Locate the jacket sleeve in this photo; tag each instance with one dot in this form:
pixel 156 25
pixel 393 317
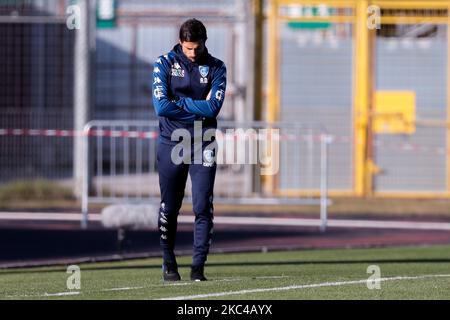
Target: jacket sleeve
pixel 209 108
pixel 164 107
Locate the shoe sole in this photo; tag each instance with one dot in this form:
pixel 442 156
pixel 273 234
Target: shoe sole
pixel 171 278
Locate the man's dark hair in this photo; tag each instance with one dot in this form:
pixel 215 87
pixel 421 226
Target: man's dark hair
pixel 193 30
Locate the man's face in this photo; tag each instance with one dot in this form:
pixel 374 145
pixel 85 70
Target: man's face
pixel 193 50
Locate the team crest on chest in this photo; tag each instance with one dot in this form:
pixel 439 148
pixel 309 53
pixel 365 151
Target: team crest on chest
pixel 204 70
pixel 208 158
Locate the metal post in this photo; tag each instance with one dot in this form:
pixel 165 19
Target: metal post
pixel 81 92
pixel 361 69
pixel 257 66
pixel 323 182
pixel 85 178
pixel 310 162
pixel 254 48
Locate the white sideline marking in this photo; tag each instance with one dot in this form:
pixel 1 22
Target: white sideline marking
pixel 73 293
pixel 123 289
pixel 272 277
pixel 340 223
pixel 139 288
pixel 178 284
pixel 70 293
pixel 305 286
pixel 228 279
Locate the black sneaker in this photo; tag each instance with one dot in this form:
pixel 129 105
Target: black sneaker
pixel 170 272
pixel 197 273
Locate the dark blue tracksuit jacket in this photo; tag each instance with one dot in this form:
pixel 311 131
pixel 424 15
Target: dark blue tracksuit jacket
pixel 180 89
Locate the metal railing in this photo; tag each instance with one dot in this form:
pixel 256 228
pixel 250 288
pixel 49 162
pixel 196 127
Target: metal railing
pixel 256 161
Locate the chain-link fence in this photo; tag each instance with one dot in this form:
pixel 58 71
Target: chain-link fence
pixel 413 163
pixel 36 90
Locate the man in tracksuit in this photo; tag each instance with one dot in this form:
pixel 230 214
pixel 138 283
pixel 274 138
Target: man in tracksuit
pixel 188 91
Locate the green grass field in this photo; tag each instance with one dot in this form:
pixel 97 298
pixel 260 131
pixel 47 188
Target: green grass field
pixel 406 272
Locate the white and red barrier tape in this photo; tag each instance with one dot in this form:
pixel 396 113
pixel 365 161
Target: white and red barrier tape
pixel 73 133
pixel 406 146
pixel 148 134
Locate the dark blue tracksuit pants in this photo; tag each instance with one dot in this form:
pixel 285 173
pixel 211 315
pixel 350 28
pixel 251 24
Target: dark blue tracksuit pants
pixel 172 182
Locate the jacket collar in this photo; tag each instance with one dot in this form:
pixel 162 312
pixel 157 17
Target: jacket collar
pixel 179 53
